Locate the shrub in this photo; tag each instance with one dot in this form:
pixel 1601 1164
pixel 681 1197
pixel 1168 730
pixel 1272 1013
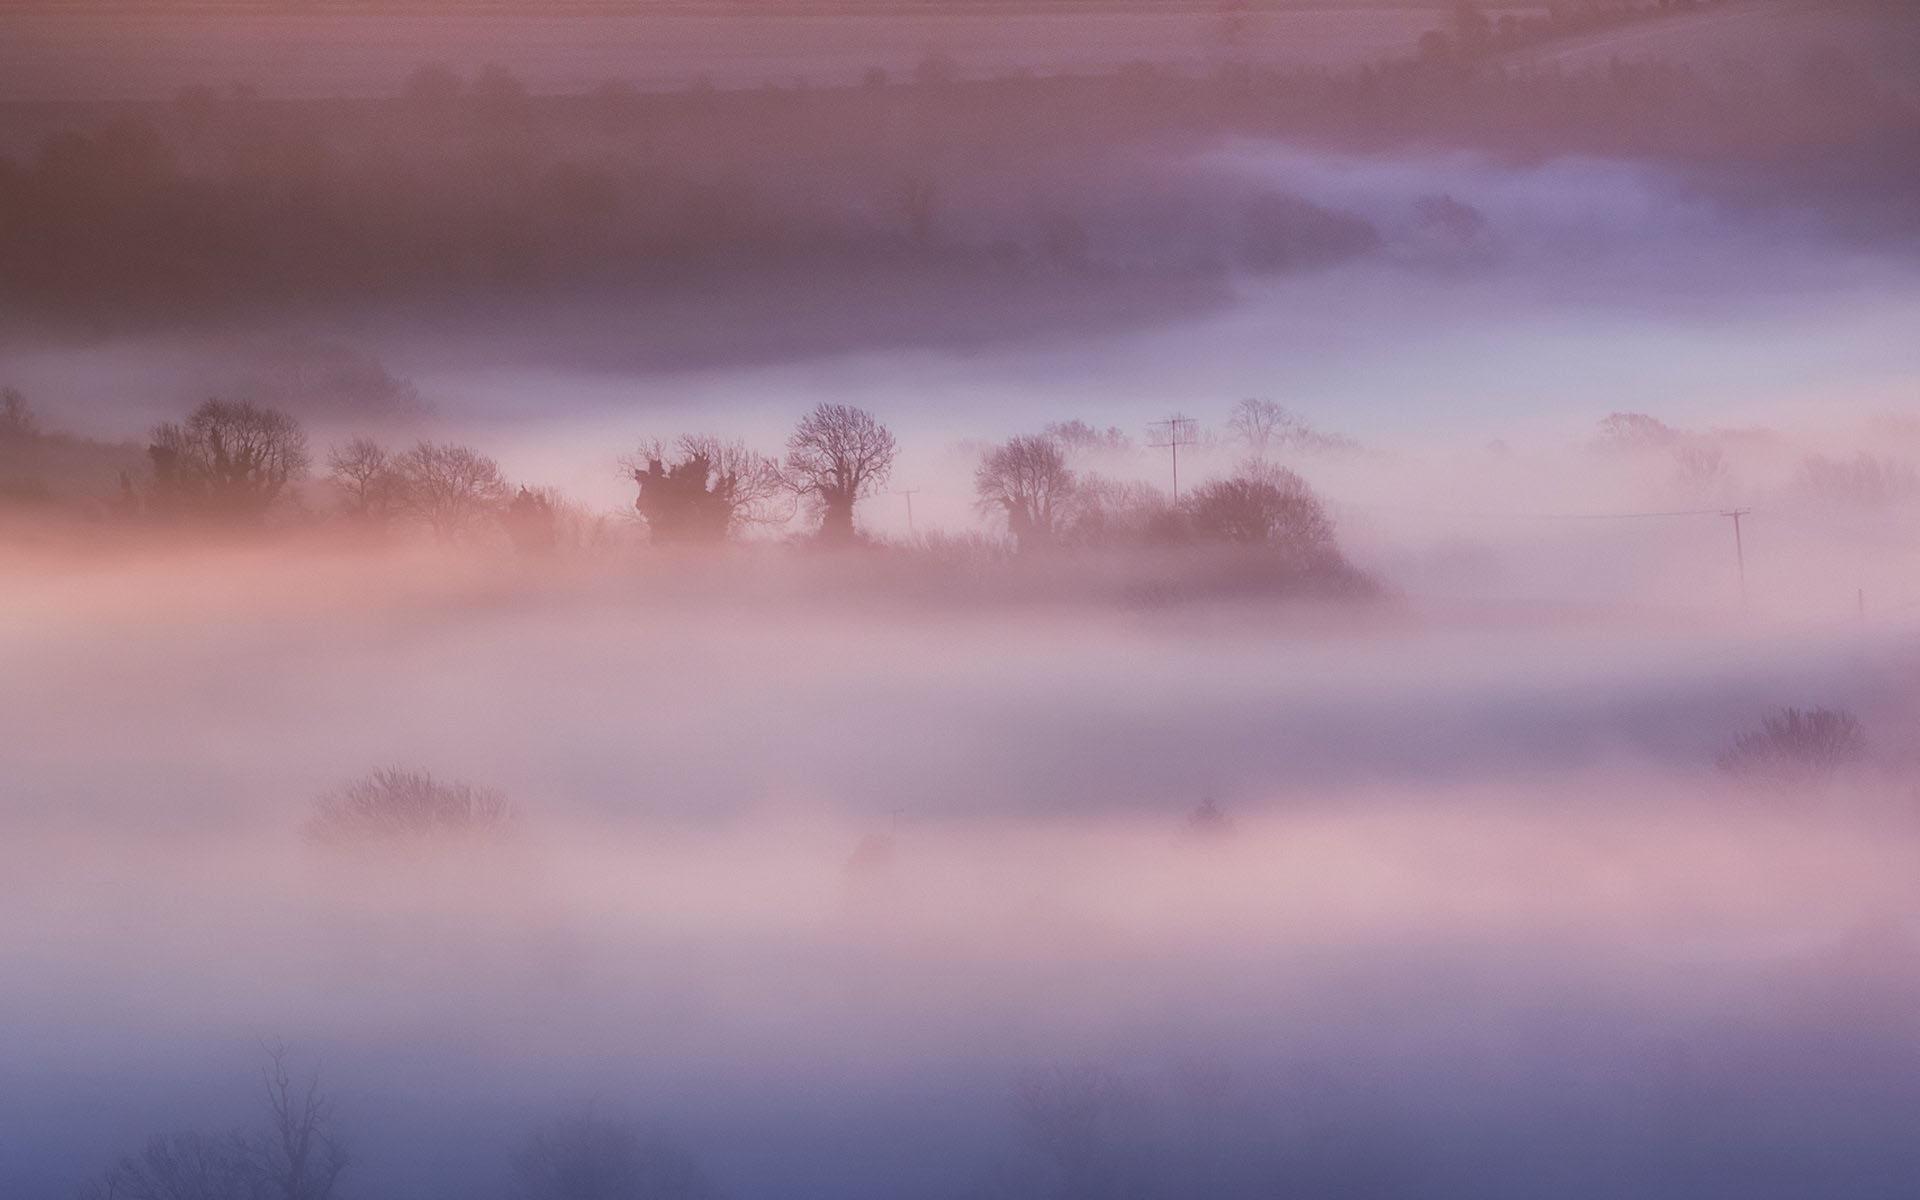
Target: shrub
pixel 405 805
pixel 1796 748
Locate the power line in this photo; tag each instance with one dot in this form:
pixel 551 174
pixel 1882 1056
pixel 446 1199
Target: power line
pixel 1520 516
pixel 909 493
pixel 1176 431
pixel 1739 548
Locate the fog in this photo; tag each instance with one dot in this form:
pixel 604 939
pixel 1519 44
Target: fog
pixel 1482 886
pixel 649 640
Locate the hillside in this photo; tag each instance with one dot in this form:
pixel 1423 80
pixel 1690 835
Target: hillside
pixel 1771 36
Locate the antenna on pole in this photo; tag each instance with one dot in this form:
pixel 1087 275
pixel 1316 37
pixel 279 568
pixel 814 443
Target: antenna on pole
pixel 1739 549
pixel 909 493
pixel 1171 434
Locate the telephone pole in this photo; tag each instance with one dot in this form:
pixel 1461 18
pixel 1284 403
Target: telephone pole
pixel 1739 549
pixel 1174 432
pixel 909 493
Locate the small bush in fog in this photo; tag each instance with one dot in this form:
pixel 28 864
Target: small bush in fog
pixel 1269 506
pixel 589 1158
pixel 403 805
pixel 1209 820
pixel 1796 748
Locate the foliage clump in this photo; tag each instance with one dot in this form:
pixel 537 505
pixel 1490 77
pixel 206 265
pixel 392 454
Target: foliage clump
pixel 1795 749
pixel 400 805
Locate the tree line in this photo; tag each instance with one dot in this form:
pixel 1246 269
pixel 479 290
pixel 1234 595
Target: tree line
pixel 239 464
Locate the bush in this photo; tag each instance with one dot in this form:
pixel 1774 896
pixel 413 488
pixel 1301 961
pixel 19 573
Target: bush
pixel 403 805
pixel 1796 748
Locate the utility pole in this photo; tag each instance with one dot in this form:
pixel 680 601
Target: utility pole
pixel 1174 432
pixel 1739 550
pixel 909 493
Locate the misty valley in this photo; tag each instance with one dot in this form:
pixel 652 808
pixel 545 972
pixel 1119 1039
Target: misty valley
pixel 1046 602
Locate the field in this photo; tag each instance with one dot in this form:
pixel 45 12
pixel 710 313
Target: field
pixel 121 55
pixel 1767 35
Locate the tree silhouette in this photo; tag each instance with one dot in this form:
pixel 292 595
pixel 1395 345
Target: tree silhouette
pixel 297 1156
pixel 705 490
pixel 1027 480
pixel 1270 506
pixel 294 1155
pixel 836 456
pixel 227 459
pixel 448 487
pixel 531 522
pixel 364 473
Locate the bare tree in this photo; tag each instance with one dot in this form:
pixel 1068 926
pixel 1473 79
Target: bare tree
pixel 1070 1116
pixel 1027 480
pixel 297 1156
pixel 364 473
pixel 1699 465
pixel 1076 435
pixel 1109 512
pixel 837 455
pixel 1254 423
pixel 590 1158
pixel 1632 432
pixel 1796 748
pixel 1263 427
pixel 396 804
pixel 182 1166
pixel 228 458
pixel 705 490
pixel 448 487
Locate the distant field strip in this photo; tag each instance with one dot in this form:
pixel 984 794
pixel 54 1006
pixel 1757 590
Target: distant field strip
pixel 148 55
pixel 1752 33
